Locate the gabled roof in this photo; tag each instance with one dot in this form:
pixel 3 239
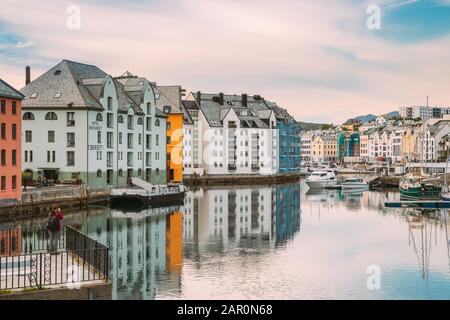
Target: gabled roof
pixel 66 79
pixel 169 96
pixel 7 91
pixel 188 105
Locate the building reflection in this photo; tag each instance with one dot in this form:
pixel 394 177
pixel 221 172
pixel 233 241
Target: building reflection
pixel 257 218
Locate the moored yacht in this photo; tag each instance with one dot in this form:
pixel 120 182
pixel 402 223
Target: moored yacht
pixel 321 179
pixel 354 183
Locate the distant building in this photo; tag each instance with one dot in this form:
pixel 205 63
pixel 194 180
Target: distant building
pixel 324 148
pixel 10 143
pixel 306 140
pixel 348 145
pixel 423 112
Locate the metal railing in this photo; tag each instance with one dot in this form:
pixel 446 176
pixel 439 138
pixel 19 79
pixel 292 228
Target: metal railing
pixel 25 262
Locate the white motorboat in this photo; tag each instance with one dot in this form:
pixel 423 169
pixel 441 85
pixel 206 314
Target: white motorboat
pixel 321 179
pixel 354 183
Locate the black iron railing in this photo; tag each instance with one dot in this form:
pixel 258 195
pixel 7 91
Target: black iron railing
pixel 79 259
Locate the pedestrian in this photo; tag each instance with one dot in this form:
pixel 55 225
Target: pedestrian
pixel 54 228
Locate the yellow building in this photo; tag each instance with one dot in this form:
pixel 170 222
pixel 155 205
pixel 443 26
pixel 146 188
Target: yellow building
pixel 170 103
pixel 324 148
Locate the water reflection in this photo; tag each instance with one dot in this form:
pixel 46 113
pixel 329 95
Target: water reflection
pixel 148 248
pixel 273 242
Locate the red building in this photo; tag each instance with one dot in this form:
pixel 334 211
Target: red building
pixel 10 142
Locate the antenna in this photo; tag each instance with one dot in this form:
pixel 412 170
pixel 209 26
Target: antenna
pixel 427 101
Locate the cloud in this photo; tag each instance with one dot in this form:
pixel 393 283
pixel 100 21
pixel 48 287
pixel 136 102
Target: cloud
pixel 312 57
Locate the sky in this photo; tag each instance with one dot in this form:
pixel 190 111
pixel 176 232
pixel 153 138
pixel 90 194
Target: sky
pixel 318 59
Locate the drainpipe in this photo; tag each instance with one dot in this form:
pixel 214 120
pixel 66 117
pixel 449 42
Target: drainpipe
pixel 87 148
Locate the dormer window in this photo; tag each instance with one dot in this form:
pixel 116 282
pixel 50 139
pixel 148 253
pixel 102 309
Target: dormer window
pixel 57 72
pixel 57 95
pixel 33 96
pixel 167 109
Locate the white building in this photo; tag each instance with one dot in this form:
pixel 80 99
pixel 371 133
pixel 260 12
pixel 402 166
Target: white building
pixel 423 112
pixel 81 124
pixel 192 145
pixel 306 140
pixel 237 135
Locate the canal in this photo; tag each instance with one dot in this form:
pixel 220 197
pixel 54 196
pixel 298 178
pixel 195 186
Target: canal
pixel 277 242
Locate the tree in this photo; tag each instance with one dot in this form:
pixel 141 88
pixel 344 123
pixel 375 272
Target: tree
pixel 27 176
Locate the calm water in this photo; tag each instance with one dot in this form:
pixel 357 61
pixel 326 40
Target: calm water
pixel 282 242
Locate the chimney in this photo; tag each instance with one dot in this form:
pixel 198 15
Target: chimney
pixel 221 100
pixel 244 100
pixel 199 97
pixel 27 75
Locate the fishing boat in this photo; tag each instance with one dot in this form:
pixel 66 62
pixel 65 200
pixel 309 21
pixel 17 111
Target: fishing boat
pixel 321 179
pixel 354 183
pixel 414 189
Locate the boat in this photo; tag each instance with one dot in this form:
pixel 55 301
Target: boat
pixel 354 183
pixel 414 189
pixel 321 179
pixel 146 195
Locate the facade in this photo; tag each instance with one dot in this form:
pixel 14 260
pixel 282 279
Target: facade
pixel 170 103
pixel 289 143
pixel 192 145
pixel 238 134
pixel 324 148
pixel 10 143
pixel 85 126
pixel 306 140
pixel 348 145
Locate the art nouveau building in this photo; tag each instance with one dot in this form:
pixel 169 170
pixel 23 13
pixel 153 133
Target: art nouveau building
pixel 82 125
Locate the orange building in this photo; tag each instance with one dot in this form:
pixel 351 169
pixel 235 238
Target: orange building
pixel 174 238
pixel 10 142
pixel 170 103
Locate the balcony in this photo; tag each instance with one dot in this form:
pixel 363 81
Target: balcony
pixel 255 167
pixel 232 167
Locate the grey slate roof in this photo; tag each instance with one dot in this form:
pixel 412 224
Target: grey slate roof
pixel 66 78
pixel 214 112
pixel 188 105
pixel 169 96
pixel 7 91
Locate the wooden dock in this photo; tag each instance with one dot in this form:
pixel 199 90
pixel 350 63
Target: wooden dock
pixel 424 204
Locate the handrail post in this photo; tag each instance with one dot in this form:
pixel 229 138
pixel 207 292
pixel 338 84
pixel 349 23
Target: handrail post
pixel 40 271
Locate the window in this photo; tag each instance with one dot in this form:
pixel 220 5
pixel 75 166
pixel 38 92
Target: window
pixel 70 158
pixel 120 137
pixel 149 123
pixel 28 136
pixel 109 159
pixel 157 123
pixel 14 107
pixel 149 109
pixel 140 139
pixel 157 139
pixel 169 125
pixel 14 157
pixel 109 139
pixel 130 159
pixel 51 136
pixel 48 156
pixel 71 139
pixel 70 119
pixel 140 121
pixel 109 103
pixel 130 141
pixel 28 116
pixel 109 120
pixel 168 140
pixel 14 131
pixel 33 95
pixel 99 173
pixel 120 119
pixel 14 182
pixel 130 122
pixel 3 183
pixel 99 137
pixel 3 157
pixel 3 107
pixel 157 171
pixel 3 131
pixel 120 172
pixel 99 117
pixel 57 95
pixel 51 116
